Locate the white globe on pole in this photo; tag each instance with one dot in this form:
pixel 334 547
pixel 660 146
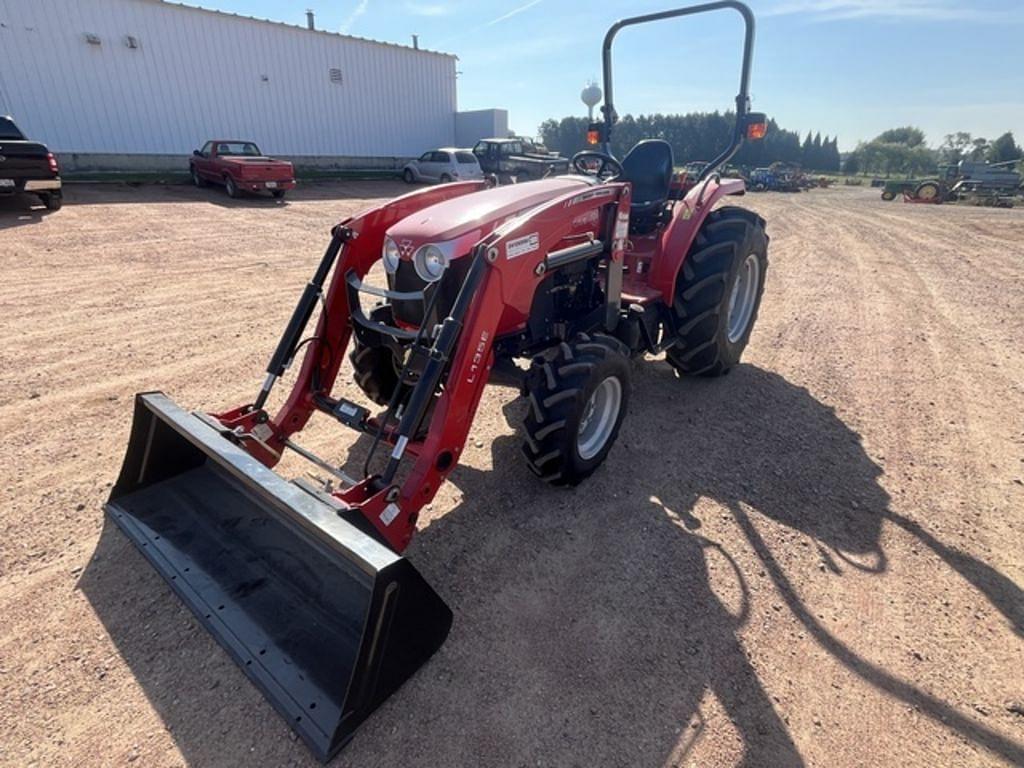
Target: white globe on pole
pixel 590 96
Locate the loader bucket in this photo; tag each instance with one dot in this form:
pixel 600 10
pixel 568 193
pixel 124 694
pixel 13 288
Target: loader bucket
pixel 324 619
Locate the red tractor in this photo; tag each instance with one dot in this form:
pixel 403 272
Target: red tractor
pixel 575 275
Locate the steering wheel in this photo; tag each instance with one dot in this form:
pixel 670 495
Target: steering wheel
pixel 590 162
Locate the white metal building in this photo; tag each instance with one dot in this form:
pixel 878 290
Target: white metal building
pixel 148 78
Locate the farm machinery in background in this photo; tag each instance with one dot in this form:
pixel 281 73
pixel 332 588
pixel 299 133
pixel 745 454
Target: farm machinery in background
pixel 969 182
pixel 778 177
pixel 552 285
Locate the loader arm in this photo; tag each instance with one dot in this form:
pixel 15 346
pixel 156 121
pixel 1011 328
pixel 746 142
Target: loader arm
pixel 361 236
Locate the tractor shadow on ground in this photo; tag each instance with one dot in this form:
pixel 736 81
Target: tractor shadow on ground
pixel 593 625
pixel 21 209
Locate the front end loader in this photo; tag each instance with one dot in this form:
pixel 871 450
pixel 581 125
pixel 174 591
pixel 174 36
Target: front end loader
pixel 553 285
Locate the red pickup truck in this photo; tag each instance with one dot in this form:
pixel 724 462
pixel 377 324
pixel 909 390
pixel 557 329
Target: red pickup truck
pixel 240 167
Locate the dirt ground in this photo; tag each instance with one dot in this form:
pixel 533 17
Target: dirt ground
pixel 816 560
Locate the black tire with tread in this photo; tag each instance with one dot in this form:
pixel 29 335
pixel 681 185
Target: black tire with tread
pixel 198 180
pixel 231 187
pixel 704 286
pixel 374 371
pixel 53 201
pixel 558 387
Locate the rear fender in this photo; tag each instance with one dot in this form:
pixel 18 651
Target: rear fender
pixel 687 218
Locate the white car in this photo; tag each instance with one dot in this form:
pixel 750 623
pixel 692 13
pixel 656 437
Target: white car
pixel 444 165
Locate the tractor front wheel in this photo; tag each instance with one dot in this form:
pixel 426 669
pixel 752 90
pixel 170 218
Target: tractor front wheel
pixel 888 195
pixel 577 395
pixel 375 371
pixel 718 292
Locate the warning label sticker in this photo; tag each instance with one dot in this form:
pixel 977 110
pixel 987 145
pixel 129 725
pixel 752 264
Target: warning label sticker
pixel 522 246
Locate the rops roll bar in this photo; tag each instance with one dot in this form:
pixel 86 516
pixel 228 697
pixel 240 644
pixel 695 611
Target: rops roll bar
pixel 742 99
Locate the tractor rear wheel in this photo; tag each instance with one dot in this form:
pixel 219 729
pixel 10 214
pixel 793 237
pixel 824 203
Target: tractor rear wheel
pixel 577 395
pixel 928 190
pixel 718 292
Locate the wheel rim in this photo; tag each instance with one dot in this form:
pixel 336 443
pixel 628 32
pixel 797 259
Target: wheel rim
pixel 928 193
pixel 743 298
pixel 230 186
pixel 599 418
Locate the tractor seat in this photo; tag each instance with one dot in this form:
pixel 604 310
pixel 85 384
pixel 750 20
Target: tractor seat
pixel 648 167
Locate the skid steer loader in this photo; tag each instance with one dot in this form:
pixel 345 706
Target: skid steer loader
pixel 303 583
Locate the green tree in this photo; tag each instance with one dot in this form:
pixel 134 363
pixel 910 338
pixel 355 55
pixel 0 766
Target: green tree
pixel 694 137
pixel 852 164
pixel 1004 149
pixel 908 135
pixel 831 160
pixel 955 146
pixel 817 158
pixel 979 149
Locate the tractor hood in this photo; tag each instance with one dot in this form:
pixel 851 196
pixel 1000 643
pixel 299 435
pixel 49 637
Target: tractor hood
pixel 471 217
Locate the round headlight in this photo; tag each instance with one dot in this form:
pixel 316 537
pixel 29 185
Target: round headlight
pixel 389 255
pixel 430 263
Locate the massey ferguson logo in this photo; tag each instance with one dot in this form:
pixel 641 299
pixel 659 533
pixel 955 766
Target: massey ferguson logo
pixel 405 249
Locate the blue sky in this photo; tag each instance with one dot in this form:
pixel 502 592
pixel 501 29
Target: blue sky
pixel 851 68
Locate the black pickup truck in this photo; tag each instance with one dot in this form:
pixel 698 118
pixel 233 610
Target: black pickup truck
pixel 508 157
pixel 26 166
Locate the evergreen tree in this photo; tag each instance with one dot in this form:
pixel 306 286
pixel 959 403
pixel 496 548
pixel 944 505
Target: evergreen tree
pixel 1004 149
pixel 815 163
pixel 807 151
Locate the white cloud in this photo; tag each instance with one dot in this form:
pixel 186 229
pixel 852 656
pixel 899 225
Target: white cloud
pixel 429 9
pixel 923 10
pixel 358 11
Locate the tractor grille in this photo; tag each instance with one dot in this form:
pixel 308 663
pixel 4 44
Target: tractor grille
pixel 406 279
